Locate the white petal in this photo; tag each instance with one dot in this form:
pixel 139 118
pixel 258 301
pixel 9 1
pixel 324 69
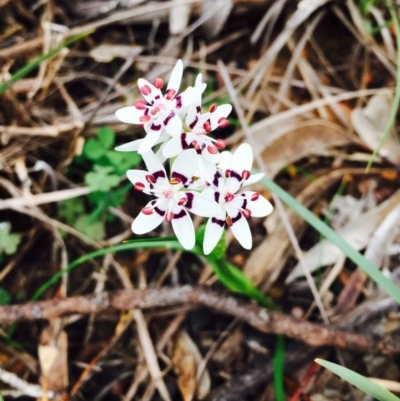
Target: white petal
pixel 184 165
pixel 176 77
pixel 183 229
pixel 145 223
pixel 139 176
pixel 225 160
pixel 182 102
pixel 241 231
pixel 207 169
pixel 155 167
pixel 260 207
pixel 193 113
pixel 214 229
pixel 173 124
pixel 129 115
pixel 242 159
pixel 201 205
pixel 154 93
pixel 153 130
pixel 130 146
pixel 222 111
pixel 176 145
pixel 253 178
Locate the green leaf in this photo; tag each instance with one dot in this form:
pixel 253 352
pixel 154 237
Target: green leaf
pixel 71 209
pixel 106 137
pixel 220 249
pixel 279 365
pixel 101 178
pixel 236 281
pixel 359 381
pixel 5 297
pixel 93 149
pixel 123 161
pixel 8 241
pixel 93 229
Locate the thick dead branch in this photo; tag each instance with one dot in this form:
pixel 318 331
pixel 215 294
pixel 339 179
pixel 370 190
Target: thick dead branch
pixel 260 318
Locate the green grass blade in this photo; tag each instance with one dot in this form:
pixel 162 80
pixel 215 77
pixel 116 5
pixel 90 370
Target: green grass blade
pixel 359 381
pixel 396 101
pixel 170 243
pixel 26 69
pixel 374 273
pixel 279 360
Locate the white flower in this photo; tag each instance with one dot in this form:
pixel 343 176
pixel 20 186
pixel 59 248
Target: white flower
pixel 173 201
pixel 236 208
pixel 157 112
pixel 198 126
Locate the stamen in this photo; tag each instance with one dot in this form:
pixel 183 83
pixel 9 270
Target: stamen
pixel 158 83
pixel 145 89
pixel 212 149
pixel 147 211
pixel 169 216
pixel 207 126
pixel 145 119
pixel 213 107
pixel 169 94
pixel 229 197
pixel 227 173
pixel 255 196
pixel 246 174
pixel 220 143
pixel 182 201
pixel 140 104
pixel 175 181
pixel 229 221
pixel 151 179
pixel 246 213
pixel 223 122
pixel 139 186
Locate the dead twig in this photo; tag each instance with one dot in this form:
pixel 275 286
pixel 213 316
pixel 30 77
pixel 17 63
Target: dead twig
pixel 267 321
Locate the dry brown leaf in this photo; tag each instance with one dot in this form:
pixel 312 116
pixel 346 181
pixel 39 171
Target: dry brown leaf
pixel 179 18
pixel 308 138
pixel 53 360
pixel 214 25
pixel 369 123
pixel 357 233
pixel 107 53
pixel 186 358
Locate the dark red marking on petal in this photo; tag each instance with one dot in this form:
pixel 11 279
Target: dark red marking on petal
pixel 158 174
pixel 190 197
pixel 180 177
pixel 179 215
pixel 214 220
pixel 216 196
pixel 178 102
pixel 238 217
pixel 217 175
pixel 156 127
pixel 184 144
pixel 236 175
pixel 244 204
pixel 159 211
pixel 168 118
pixel 198 109
pixel 193 124
pixel 227 173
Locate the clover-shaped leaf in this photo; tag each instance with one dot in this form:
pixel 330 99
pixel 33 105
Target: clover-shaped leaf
pixel 101 178
pixel 96 148
pixel 8 241
pixel 123 161
pixel 93 229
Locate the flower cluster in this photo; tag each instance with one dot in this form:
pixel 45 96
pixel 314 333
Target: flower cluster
pixel 202 180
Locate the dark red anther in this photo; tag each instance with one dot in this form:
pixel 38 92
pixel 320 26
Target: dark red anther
pixel 169 216
pixel 223 122
pixel 150 178
pixel 229 221
pixel 140 104
pixel 158 83
pixel 144 119
pixel 220 143
pixel 139 186
pixel 227 173
pixel 246 213
pixel 147 211
pixel 213 107
pixel 169 94
pixel 145 89
pixel 207 126
pixel 229 197
pixel 182 201
pixel 246 174
pixel 255 196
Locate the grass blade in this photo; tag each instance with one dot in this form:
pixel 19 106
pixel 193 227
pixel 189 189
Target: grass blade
pixel 279 359
pixel 375 274
pixel 359 381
